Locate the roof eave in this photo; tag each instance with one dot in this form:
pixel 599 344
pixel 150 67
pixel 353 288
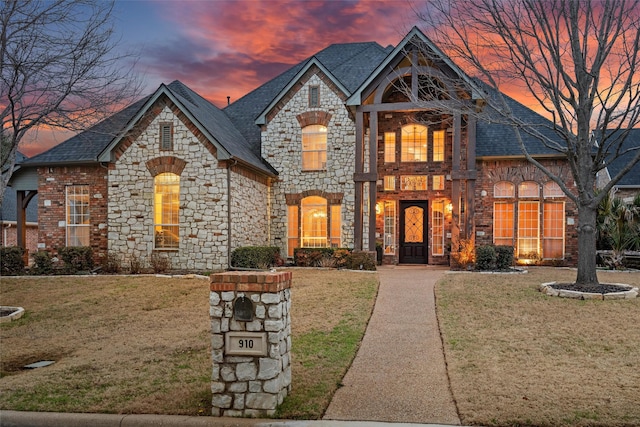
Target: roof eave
pixel 356 98
pixel 107 156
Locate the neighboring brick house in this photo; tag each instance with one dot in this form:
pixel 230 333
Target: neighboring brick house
pixel 9 220
pixel 329 153
pixel 629 186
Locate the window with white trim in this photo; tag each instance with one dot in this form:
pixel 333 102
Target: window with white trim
pixel 553 221
pixel 437 228
pixel 77 224
pixel 414 143
pixel 314 223
pixel 438 146
pixel 314 148
pixel 389 239
pixel 528 220
pixel 166 224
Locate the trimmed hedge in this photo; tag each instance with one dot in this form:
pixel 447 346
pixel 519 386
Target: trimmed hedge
pixel 76 258
pixel 485 257
pixel 43 264
pixel 504 257
pixel 311 257
pixel 11 259
pixel 261 257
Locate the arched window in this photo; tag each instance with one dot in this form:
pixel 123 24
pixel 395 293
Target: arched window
pixel 314 222
pixel 503 189
pixel 414 143
pixel 166 213
pixel 314 148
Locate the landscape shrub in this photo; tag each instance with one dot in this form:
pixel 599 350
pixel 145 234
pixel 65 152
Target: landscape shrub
pixel 341 255
pixel 485 258
pixel 136 264
pixel 261 257
pixel 76 258
pixel 42 263
pixel 11 259
pixel 504 257
pixel 463 254
pixel 160 262
pixel 310 257
pixel 112 263
pixel 358 260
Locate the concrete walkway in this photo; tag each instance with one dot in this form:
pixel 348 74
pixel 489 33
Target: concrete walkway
pixel 399 373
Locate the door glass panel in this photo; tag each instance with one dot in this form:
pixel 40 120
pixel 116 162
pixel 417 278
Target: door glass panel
pixel 413 225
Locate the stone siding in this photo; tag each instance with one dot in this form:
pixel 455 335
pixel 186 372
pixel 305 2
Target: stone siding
pixel 251 386
pixel 203 216
pixel 282 148
pixel 249 209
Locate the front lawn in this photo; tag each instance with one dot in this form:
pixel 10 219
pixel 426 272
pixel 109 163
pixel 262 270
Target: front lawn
pixel 142 344
pixel 517 357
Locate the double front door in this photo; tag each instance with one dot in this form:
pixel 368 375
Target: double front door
pixel 414 246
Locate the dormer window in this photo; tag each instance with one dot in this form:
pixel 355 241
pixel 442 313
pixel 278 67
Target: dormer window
pixel 314 96
pixel 166 136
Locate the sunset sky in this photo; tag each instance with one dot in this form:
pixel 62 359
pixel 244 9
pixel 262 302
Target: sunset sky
pixel 224 48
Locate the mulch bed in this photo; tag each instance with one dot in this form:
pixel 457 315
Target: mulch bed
pixel 602 288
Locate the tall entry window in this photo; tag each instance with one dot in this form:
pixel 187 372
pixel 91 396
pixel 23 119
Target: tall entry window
pixel 77 215
pixel 437 228
pixel 414 143
pixel 528 220
pixel 166 211
pixel 314 148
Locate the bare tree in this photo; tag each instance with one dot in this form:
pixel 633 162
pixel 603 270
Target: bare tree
pixel 578 59
pixel 60 67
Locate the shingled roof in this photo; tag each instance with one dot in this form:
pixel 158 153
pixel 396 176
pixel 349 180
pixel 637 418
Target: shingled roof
pixel 632 178
pixel 9 201
pixel 350 63
pixel 91 145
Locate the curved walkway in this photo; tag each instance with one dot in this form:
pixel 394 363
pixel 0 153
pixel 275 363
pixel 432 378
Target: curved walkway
pixel 399 373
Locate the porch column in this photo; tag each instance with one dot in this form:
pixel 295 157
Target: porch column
pixel 471 176
pixel 357 220
pixel 373 178
pixel 22 201
pixel 455 181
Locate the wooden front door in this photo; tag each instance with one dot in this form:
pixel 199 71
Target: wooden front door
pixel 413 232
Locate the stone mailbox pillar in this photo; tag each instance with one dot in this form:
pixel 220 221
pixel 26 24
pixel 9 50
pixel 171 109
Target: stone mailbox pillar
pixel 251 342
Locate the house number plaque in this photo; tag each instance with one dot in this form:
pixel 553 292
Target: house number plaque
pixel 246 344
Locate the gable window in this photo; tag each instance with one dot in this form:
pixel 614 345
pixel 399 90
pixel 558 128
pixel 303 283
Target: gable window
pixel 389 147
pixel 314 148
pixel 314 96
pixel 314 223
pixel 414 143
pixel 166 207
pixel 77 215
pixel 166 136
pixel 438 146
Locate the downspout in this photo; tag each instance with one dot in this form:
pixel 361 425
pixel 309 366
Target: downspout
pixel 230 267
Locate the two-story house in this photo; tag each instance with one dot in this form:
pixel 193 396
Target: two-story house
pixel 345 149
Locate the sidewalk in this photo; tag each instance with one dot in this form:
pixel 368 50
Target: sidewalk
pixel 399 373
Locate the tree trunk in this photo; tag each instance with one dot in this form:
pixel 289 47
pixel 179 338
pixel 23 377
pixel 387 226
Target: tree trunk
pixel 587 245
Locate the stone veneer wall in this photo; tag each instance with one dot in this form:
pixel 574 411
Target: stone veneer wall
pixel 249 209
pixel 517 171
pixel 251 386
pixel 282 148
pixel 203 199
pixel 52 183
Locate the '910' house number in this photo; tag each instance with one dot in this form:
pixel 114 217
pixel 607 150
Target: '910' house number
pixel 246 343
